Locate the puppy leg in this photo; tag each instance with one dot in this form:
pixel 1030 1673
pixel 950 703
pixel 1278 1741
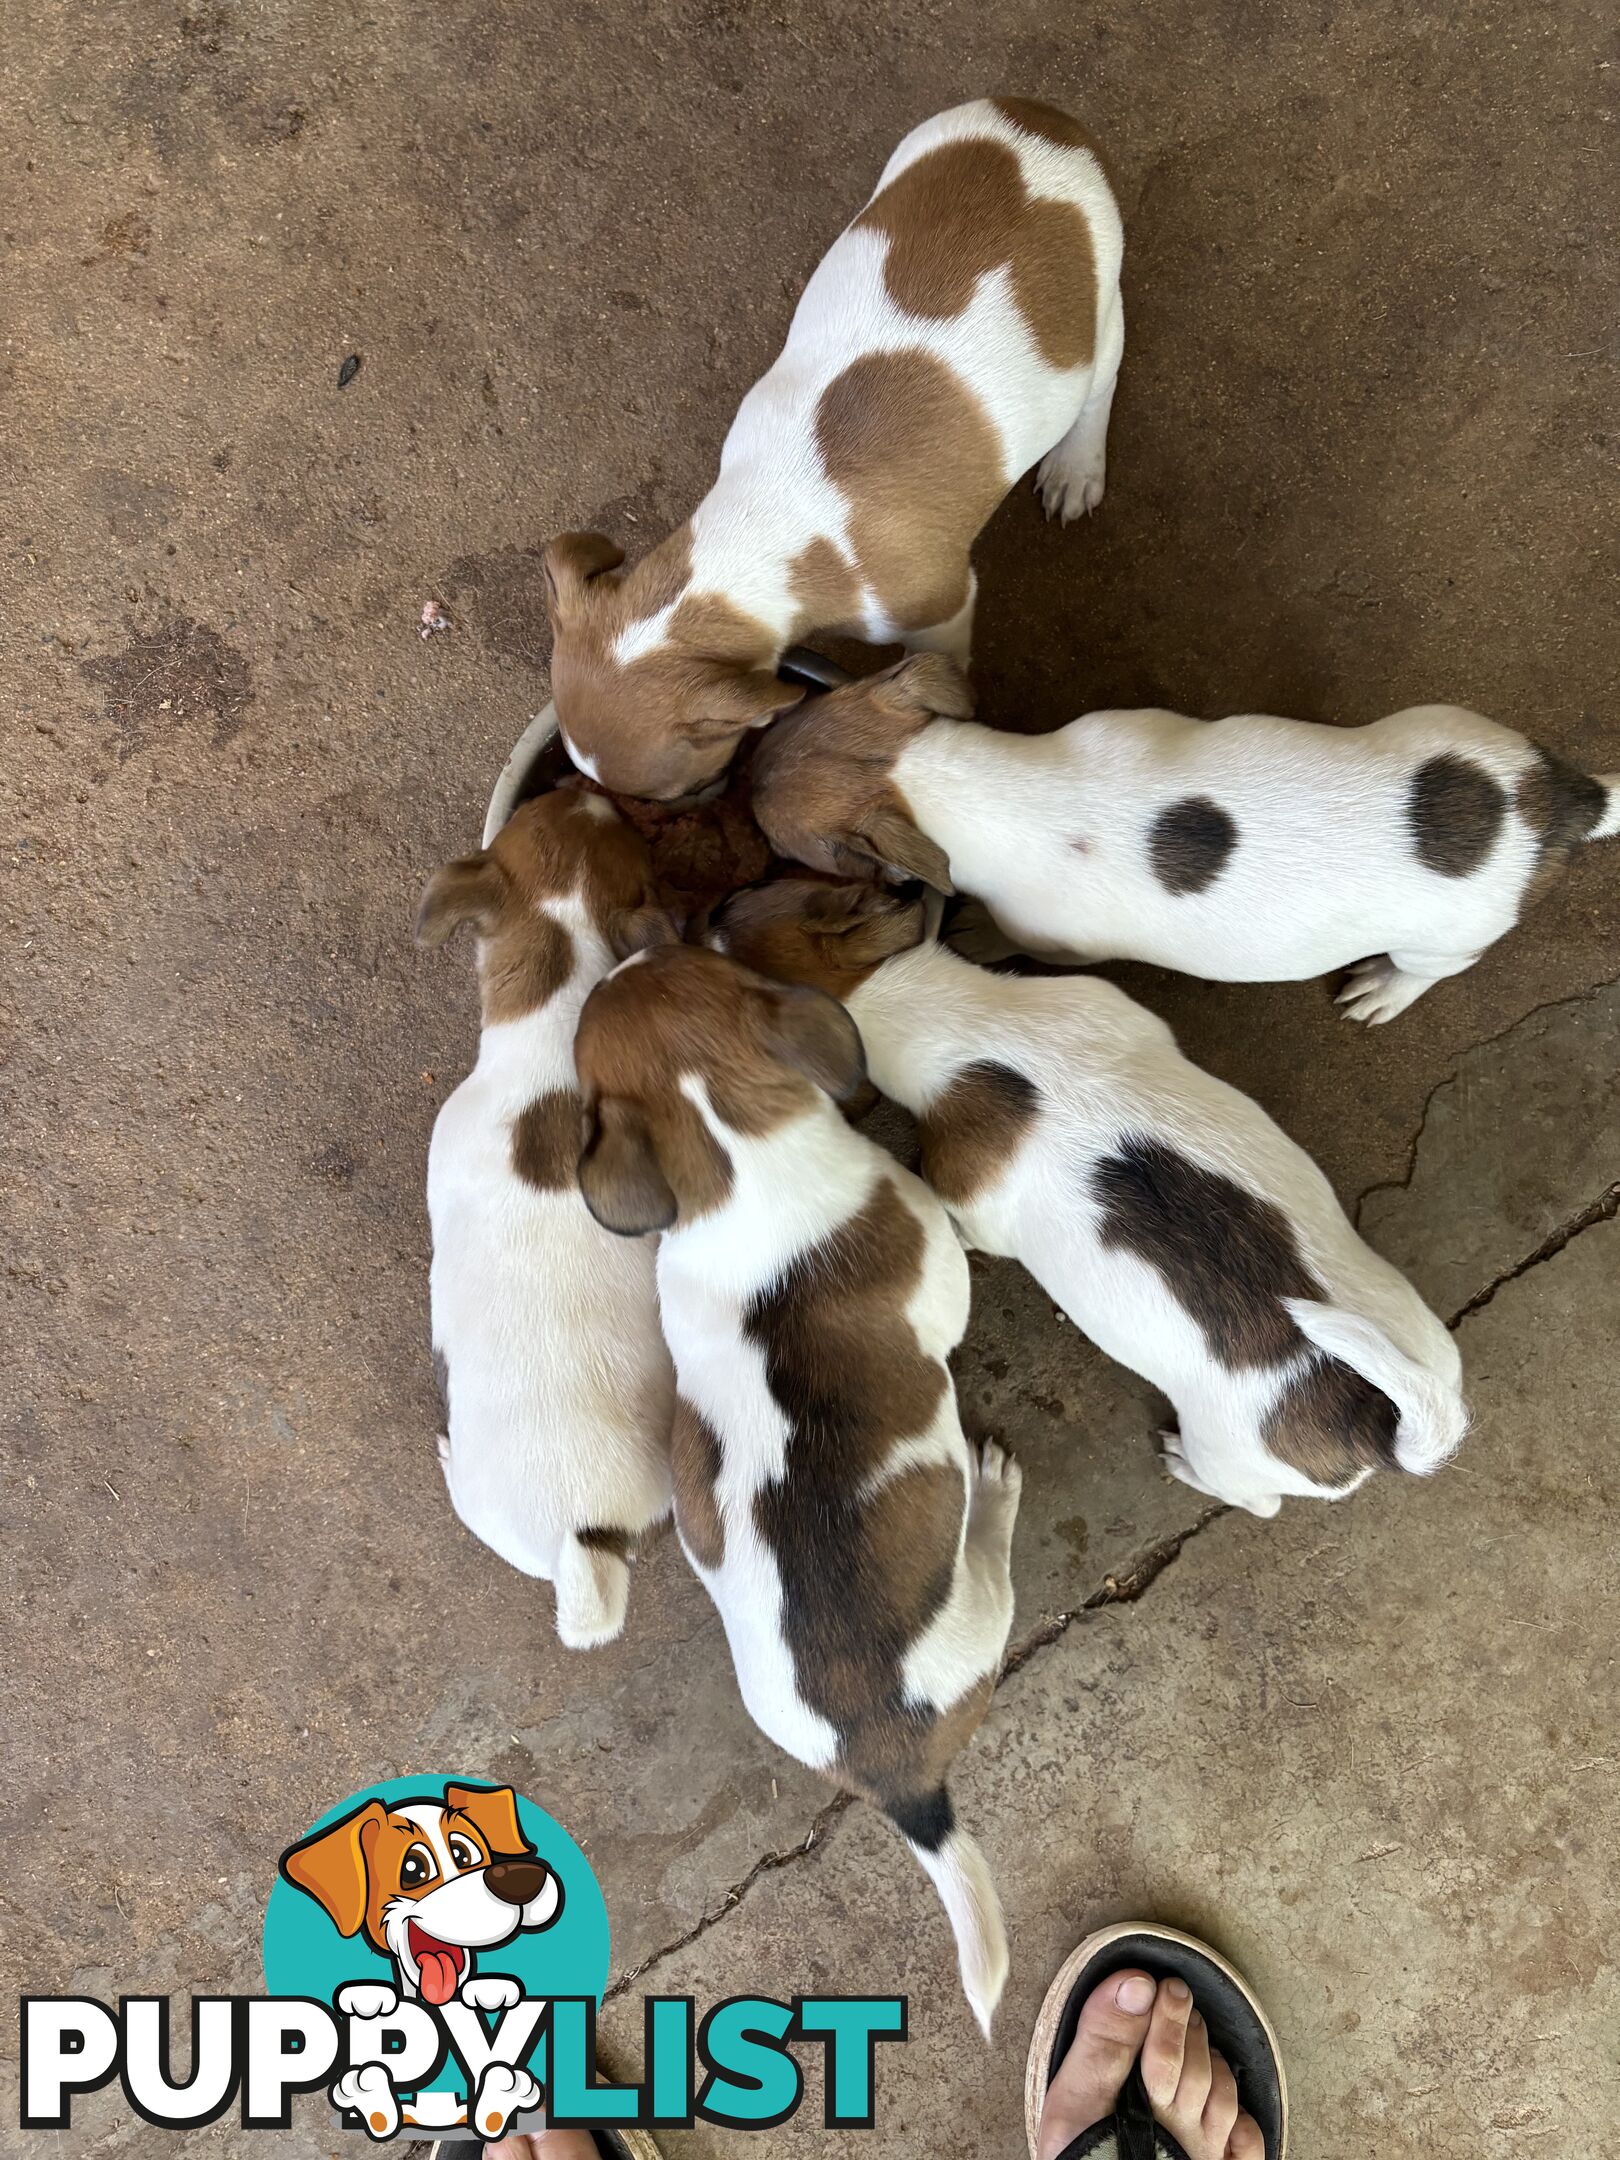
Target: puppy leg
pixel 1380 989
pixel 992 1511
pixel 1194 1462
pixel 953 638
pixel 1070 477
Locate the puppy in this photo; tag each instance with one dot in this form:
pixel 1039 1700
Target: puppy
pixel 965 325
pixel 811 1290
pixel 1244 850
pixel 558 1388
pixel 1165 1212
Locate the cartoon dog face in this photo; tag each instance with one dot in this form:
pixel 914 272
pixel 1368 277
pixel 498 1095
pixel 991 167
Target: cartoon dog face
pixel 429 1881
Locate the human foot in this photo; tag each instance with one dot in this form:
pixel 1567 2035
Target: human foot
pixel 1189 2084
pixel 546 2145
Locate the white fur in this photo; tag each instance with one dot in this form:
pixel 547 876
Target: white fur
pixel 560 1387
pixel 1108 1069
pixel 792 1190
pixel 773 496
pixel 1051 833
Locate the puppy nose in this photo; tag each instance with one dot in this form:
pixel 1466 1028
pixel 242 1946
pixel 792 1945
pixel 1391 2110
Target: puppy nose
pixel 515 1882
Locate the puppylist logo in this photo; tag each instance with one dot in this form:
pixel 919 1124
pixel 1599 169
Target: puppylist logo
pixel 435 1952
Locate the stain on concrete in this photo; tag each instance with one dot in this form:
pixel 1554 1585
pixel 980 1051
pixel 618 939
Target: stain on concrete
pixel 182 675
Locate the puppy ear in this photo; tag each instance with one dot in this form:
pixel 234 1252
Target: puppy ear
pixel 815 1035
pixel 926 683
pixel 620 1177
pixel 633 930
pixel 570 562
pixel 468 891
pixel 895 844
pixel 492 1811
pixel 330 1866
pixel 738 697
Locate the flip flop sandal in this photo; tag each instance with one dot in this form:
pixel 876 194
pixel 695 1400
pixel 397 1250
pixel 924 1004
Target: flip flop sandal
pixel 1238 2027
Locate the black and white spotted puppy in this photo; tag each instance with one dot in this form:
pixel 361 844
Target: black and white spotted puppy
pixel 1250 849
pixel 1165 1212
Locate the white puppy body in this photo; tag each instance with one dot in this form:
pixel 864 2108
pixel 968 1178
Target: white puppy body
pixel 1096 1076
pixel 1254 849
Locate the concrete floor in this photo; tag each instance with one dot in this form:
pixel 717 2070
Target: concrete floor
pixel 1363 454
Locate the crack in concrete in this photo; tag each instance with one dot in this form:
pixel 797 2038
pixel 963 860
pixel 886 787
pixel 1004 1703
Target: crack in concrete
pixel 1486 1042
pixel 1602 1209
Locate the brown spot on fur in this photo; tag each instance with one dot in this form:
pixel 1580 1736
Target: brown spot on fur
pixel 960 211
pixel 1048 121
pixel 830 936
pixel 1189 843
pixel 1454 812
pixel 609 1539
pixel 918 460
pixel 761 1051
pixel 824 791
pixel 1331 1423
pixel 695 1461
pixel 862 1576
pixel 545 1141
pixel 972 1131
pixel 566 843
pixel 665 724
pixel 826 590
pixel 1561 806
pixel 1228 1257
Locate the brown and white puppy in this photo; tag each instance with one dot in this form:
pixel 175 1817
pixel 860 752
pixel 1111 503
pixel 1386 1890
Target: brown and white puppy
pixel 558 1388
pixel 1250 849
pixel 811 1291
pixel 967 324
pixel 1165 1212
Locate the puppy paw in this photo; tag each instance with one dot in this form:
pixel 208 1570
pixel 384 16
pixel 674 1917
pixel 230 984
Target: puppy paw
pixel 1375 991
pixel 973 933
pixel 367 1999
pixel 1069 489
pixel 997 1467
pixel 368 2091
pixel 490 1991
pixel 502 2093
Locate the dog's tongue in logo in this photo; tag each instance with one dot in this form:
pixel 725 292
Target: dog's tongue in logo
pixel 438 1963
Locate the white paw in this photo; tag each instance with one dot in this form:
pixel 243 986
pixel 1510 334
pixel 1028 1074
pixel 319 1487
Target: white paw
pixel 998 1470
pixel 490 1991
pixel 444 1453
pixel 1066 493
pixel 1375 991
pixel 367 1999
pixel 369 2093
pixel 502 2093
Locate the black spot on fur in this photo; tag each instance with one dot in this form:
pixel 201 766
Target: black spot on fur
pixel 927 1819
pixel 1455 812
pixel 1188 844
pixel 1561 806
pixel 1228 1257
pixel 441 1374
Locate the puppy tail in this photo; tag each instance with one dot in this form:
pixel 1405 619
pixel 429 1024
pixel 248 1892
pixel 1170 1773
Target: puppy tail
pixel 959 1872
pixel 1608 825
pixel 1431 1414
pixel 593 1593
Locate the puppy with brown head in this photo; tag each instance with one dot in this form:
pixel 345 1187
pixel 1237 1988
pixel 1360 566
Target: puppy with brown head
pixel 811 1291
pixel 964 326
pixel 558 1387
pixel 1250 849
pixel 1162 1210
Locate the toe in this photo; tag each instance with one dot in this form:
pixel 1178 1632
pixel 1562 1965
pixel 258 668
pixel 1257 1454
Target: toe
pixel 1247 2141
pixel 1186 2111
pixel 1113 2023
pixel 1166 2043
pixel 1221 2108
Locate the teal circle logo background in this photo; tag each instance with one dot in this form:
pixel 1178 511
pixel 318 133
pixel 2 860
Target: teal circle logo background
pixel 305 1955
